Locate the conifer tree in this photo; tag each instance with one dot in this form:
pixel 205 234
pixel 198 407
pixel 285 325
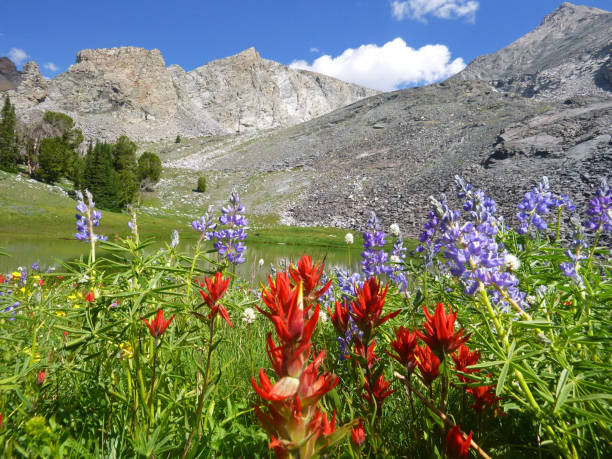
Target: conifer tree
pixel 9 148
pixel 100 177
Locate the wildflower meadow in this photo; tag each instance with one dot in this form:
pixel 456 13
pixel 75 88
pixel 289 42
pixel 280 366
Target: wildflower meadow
pixel 487 341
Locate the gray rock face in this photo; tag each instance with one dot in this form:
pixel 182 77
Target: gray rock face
pixel 110 92
pixel 569 53
pixel 248 93
pixel 9 75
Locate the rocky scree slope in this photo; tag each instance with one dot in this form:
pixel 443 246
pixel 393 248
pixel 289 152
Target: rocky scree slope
pixel 389 152
pixel 110 92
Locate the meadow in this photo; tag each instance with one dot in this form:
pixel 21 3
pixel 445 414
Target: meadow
pixel 488 341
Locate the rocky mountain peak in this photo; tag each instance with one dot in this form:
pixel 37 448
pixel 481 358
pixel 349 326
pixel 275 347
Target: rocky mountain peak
pixel 568 12
pixel 129 90
pixel 566 55
pixel 249 53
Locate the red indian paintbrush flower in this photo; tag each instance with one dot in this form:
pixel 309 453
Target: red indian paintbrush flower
pixel 216 286
pixel 378 391
pixel 404 344
pixel 367 354
pixel 463 358
pixel 40 378
pixel 484 397
pixel 428 364
pixel 358 435
pixel 340 317
pixel 286 311
pixel 310 275
pixel 367 307
pixel 90 298
pixel 158 326
pixel 457 446
pixel 440 333
pixel 295 423
pixel 313 385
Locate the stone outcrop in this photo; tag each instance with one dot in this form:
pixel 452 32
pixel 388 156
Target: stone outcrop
pixel 9 75
pixel 568 54
pixel 110 92
pixel 248 93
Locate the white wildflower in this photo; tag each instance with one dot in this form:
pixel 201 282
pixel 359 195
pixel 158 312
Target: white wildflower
pixel 348 238
pixel 323 317
pixel 394 229
pixel 248 316
pixel 532 300
pixel 261 262
pixel 395 259
pixel 511 262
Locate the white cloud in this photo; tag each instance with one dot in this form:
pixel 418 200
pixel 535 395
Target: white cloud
pixel 18 56
pixel 444 9
pixel 314 50
pixel 51 67
pixel 387 67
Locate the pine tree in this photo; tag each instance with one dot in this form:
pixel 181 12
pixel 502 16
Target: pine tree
pixel 9 148
pixel 100 177
pixel 52 159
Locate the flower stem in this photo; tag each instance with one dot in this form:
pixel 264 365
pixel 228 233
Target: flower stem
pixel 429 404
pixel 203 391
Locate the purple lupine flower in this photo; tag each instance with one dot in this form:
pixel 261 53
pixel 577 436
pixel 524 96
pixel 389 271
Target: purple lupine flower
pixel 88 220
pixel 229 241
pixel 600 209
pixel 35 266
pixel 574 253
pixel 398 255
pixel 374 256
pixel 441 219
pixel 24 277
pixel 472 252
pixel 347 283
pixel 11 308
pixel 536 204
pixel 205 225
pixel 345 343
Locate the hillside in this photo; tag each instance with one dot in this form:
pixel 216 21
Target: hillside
pixel 391 151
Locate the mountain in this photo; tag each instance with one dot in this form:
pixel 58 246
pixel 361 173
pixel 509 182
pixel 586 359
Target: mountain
pixel 567 54
pixel 389 152
pixel 110 92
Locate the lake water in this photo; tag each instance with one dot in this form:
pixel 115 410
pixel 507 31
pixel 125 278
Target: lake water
pixel 23 251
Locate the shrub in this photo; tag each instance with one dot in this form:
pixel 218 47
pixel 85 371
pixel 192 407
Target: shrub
pixel 178 139
pixel 149 170
pixel 201 185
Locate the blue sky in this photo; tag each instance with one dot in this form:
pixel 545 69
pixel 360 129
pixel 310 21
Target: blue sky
pixel 387 37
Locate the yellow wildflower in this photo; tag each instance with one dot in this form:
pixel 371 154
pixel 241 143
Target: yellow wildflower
pixel 33 355
pixel 60 313
pixel 125 350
